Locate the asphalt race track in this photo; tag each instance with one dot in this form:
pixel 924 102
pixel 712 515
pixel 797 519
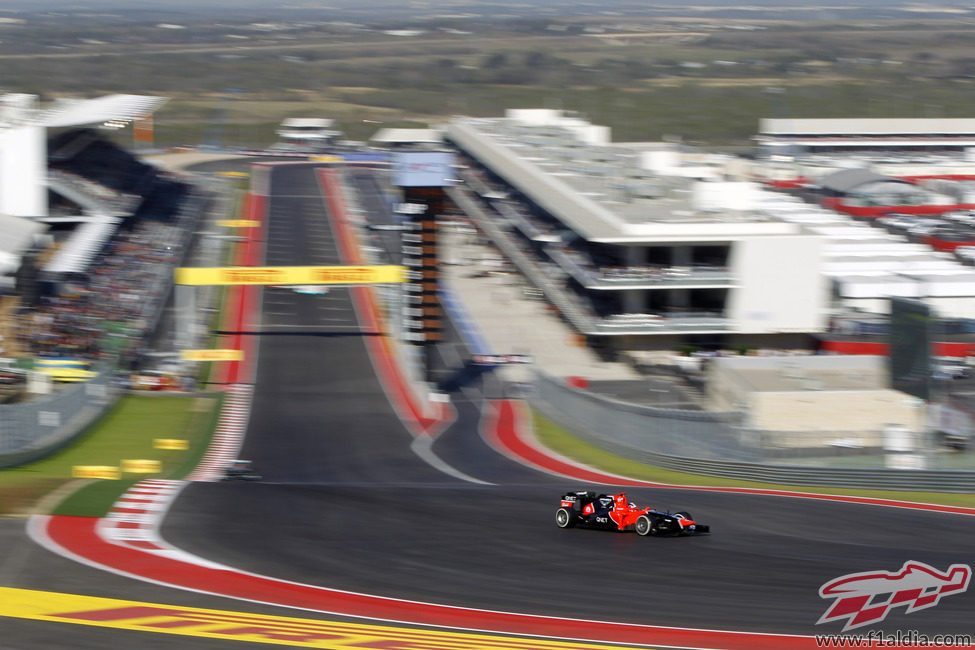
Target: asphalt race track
pixel 346 499
pixel 346 503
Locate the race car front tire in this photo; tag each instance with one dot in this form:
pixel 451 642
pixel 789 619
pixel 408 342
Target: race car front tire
pixel 565 518
pixel 644 525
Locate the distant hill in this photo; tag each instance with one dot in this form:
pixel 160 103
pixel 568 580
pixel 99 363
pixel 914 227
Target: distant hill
pixel 385 10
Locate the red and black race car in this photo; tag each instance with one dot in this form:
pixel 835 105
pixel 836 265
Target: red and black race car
pixel 615 512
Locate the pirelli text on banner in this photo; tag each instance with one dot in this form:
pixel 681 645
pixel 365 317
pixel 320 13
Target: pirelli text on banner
pixel 290 275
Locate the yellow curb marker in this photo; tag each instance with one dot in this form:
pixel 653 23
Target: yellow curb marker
pixel 109 472
pixel 170 443
pixel 257 628
pixel 141 466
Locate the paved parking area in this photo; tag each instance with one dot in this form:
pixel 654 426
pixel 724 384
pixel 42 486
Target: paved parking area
pixel 514 322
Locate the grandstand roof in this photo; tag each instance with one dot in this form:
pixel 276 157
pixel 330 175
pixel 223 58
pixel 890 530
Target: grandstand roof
pixel 407 136
pixel 601 193
pixel 868 126
pixel 307 123
pixel 102 110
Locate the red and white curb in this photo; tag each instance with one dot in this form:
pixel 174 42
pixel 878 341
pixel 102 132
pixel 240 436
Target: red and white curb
pixel 135 517
pixel 134 520
pixel 229 435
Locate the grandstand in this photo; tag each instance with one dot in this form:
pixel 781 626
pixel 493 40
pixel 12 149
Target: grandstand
pixel 26 126
pixel 101 188
pixel 58 167
pixel 111 226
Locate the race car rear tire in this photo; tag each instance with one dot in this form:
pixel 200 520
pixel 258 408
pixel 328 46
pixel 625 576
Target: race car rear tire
pixel 565 518
pixel 644 525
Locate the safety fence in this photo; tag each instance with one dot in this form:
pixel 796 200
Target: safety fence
pixel 721 445
pixel 629 426
pixel 32 429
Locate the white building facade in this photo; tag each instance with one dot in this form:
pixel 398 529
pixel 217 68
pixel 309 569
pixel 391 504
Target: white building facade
pixel 635 239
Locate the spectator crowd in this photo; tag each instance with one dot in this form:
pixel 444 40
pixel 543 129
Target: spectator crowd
pixel 101 314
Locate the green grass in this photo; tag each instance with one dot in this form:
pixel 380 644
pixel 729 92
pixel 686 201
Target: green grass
pixel 562 441
pixel 125 432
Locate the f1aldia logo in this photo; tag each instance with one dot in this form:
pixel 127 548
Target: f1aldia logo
pixel 865 598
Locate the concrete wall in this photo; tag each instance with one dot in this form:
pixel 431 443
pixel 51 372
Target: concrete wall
pixel 835 411
pixel 829 395
pixel 780 286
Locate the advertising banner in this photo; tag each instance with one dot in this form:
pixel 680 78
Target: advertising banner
pixel 289 275
pixel 212 355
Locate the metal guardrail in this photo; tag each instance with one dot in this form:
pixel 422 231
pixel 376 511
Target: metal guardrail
pixel 641 278
pixel 627 427
pixel 862 477
pixel 709 444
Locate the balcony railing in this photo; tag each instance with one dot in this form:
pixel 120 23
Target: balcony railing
pixel 648 277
